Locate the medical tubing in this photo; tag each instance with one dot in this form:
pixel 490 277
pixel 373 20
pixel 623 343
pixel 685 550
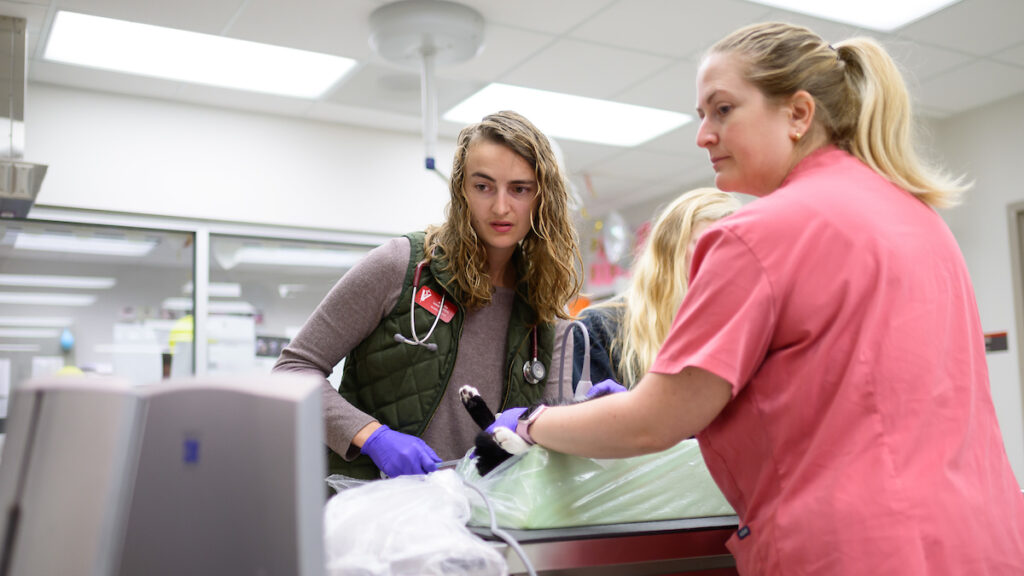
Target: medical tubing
pixel 501 533
pixel 585 375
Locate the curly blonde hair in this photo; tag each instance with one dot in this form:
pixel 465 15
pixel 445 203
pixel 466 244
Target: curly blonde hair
pixel 659 281
pixel 860 96
pixel 549 256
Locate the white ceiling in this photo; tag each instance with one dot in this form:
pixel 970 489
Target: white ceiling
pixel 635 51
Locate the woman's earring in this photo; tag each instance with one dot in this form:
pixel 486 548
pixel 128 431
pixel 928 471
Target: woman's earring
pixel 796 136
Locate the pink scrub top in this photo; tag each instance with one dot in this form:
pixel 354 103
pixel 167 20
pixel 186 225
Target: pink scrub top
pixel 861 438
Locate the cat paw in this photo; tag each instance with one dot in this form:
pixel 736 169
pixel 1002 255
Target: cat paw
pixel 466 393
pixel 510 441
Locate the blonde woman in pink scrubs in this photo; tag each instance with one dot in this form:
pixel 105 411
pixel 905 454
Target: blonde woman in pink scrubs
pixel 829 354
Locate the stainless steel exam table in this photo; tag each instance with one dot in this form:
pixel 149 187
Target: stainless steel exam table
pixel 692 546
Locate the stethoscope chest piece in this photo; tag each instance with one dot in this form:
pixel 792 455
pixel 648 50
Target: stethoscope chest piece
pixel 534 370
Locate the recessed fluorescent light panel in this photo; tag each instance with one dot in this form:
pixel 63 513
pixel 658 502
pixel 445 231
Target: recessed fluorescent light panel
pixel 217 289
pixel 19 348
pixel 47 281
pixel 881 15
pixel 571 117
pixel 191 57
pixel 39 299
pixel 36 321
pixel 28 333
pixel 297 257
pixel 213 306
pixel 82 244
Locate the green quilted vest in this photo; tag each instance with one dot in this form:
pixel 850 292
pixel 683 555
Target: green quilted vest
pixel 401 385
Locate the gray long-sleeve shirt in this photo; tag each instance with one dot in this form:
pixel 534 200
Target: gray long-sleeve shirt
pixel 352 310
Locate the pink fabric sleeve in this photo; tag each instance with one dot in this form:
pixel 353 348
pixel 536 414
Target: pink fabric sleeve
pixel 725 323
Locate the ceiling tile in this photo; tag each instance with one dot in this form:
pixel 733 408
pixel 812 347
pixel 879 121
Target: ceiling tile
pixel 538 15
pixel 504 49
pixel 636 51
pixel 578 156
pixel 327 26
pixel 978 27
pixel 830 31
pixel 667 27
pixel 957 90
pixel 681 142
pixel 639 164
pixel 397 90
pixel 584 69
pixel 1013 55
pixel 672 88
pixel 920 62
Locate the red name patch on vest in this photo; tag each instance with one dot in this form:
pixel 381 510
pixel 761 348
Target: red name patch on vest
pixel 431 302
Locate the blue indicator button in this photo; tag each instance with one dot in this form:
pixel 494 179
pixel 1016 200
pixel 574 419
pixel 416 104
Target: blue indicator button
pixel 191 451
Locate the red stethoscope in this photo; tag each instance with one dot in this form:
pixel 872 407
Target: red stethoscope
pixel 534 370
pixel 416 340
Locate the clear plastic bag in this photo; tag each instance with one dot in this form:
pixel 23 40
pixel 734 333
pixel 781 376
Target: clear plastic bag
pixel 541 489
pixel 405 526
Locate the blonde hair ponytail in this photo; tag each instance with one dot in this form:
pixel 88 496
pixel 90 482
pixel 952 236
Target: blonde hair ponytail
pixel 883 138
pixel 860 97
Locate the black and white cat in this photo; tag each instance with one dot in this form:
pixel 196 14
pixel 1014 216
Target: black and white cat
pixel 491 449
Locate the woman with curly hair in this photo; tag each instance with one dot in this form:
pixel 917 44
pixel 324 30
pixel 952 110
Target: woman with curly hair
pixel 472 301
pixel 627 331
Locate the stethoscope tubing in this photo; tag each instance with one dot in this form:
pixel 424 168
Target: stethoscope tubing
pixel 528 371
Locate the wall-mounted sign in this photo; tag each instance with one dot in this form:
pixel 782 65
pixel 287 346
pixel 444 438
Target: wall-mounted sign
pixel 995 342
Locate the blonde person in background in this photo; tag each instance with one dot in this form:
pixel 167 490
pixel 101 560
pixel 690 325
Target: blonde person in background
pixel 627 330
pixel 829 354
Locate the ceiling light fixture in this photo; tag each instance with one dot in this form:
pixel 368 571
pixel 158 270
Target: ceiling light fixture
pixel 571 117
pixel 217 289
pixel 214 306
pixel 881 15
pixel 19 348
pixel 81 244
pixel 48 299
pixel 46 281
pixel 29 333
pixel 272 256
pixel 288 290
pixel 36 321
pixel 424 34
pixel 185 56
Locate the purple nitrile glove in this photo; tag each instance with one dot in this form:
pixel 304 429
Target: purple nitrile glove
pixel 397 454
pixel 605 387
pixel 507 419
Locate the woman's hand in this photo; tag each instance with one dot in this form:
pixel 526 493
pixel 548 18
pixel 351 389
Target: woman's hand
pixel 397 454
pixel 605 387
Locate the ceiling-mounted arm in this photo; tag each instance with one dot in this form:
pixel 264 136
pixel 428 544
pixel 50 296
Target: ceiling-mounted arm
pixel 424 34
pixel 428 90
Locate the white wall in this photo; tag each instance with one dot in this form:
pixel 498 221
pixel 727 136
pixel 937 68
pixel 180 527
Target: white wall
pixel 987 145
pixel 124 154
